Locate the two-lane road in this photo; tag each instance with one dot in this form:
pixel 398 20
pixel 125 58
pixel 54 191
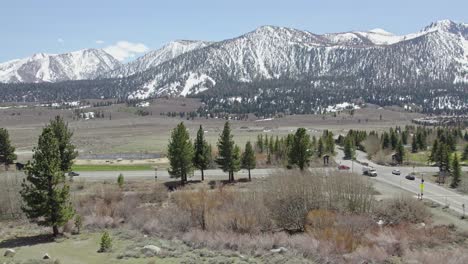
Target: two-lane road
pixel 431 191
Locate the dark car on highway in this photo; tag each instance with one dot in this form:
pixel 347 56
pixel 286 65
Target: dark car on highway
pixel 410 177
pixel 72 173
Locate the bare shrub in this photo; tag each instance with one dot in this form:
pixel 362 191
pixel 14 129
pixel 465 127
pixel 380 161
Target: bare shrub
pixel 291 195
pixel 371 145
pixel 224 209
pixel 10 198
pixel 106 206
pixel 402 209
pixel 344 232
pixel 451 256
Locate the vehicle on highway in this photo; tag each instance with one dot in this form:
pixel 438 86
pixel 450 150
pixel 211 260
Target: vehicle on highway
pixel 369 171
pixel 72 173
pixel 410 177
pixel 396 172
pixel 343 167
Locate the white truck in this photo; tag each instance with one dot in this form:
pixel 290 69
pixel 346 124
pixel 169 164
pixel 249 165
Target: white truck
pixel 369 171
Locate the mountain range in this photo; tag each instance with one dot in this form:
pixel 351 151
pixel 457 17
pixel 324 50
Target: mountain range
pixel 374 61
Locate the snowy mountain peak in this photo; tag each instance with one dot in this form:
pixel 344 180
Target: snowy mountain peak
pixel 41 67
pixel 380 31
pixel 447 26
pixel 153 58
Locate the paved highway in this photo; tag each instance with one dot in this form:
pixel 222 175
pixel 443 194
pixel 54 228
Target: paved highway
pixel 432 191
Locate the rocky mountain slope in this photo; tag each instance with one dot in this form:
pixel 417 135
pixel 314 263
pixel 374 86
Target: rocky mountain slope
pixel 156 57
pixel 284 69
pixel 77 65
pixel 438 53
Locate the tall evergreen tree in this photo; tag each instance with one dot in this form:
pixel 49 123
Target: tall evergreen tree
pixel 202 153
pixel 385 140
pixel 248 160
pixel 300 152
pixel 400 152
pixel 45 192
pixel 228 159
pixel 393 138
pixel 443 157
pixel 433 157
pixel 180 153
pixel 330 143
pixel 414 145
pixel 7 151
pixel 456 172
pixel 67 150
pixel 465 153
pixel 320 148
pixel 260 143
pixel 349 151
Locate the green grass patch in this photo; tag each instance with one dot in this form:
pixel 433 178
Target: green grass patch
pixel 418 158
pixel 106 167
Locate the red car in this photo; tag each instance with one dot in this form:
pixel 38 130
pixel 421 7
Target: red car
pixel 343 167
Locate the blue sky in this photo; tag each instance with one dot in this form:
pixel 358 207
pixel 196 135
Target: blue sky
pixel 54 26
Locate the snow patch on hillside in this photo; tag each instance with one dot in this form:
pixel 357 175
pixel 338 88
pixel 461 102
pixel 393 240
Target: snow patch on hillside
pixel 196 80
pixel 145 92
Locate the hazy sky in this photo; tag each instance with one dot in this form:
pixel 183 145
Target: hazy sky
pixel 129 28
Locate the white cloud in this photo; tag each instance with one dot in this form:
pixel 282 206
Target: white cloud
pixel 99 41
pixel 60 40
pixel 123 50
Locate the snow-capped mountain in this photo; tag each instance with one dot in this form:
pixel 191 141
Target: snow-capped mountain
pixel 428 68
pixel 77 65
pixel 376 58
pixel 156 57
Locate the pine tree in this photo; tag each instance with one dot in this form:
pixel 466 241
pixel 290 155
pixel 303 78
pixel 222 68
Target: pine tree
pixel 45 192
pixel 330 143
pixel 393 138
pixel 320 148
pixel 414 145
pixel 66 148
pixel 202 153
pixel 228 159
pixel 385 140
pixel 349 151
pixel 120 180
pixel 465 153
pixel 248 160
pixel 456 172
pixel 443 157
pixel 400 152
pixel 433 157
pixel 260 143
pixel 7 151
pixel 266 144
pixel 300 152
pixel 106 243
pixel 180 153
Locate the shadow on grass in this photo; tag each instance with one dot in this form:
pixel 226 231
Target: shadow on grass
pixel 212 183
pixel 173 185
pixel 26 241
